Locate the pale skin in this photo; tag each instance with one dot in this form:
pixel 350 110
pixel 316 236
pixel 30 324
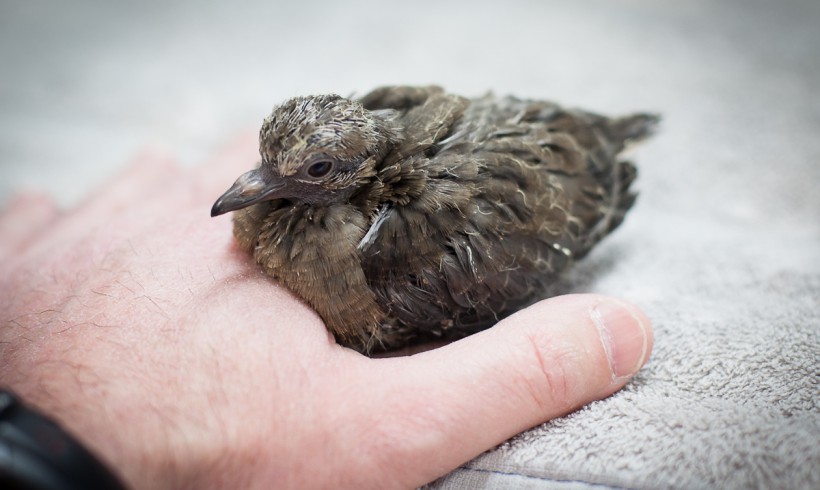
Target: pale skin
pixel 135 321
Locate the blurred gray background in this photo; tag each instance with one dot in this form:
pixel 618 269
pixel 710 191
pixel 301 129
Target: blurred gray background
pixel 722 248
pixel 86 84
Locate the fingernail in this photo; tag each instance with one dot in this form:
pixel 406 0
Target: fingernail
pixel 623 335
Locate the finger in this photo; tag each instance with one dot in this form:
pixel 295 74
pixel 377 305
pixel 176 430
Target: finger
pixel 23 217
pixel 451 404
pixel 130 192
pixel 147 174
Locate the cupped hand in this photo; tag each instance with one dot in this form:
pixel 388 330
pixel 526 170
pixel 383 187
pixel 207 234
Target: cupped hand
pixel 134 321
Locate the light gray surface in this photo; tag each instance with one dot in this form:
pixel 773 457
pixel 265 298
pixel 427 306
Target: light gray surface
pixel 722 249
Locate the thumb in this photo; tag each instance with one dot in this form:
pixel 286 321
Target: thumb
pixel 452 403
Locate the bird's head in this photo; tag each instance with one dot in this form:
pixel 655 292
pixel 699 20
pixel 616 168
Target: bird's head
pixel 315 150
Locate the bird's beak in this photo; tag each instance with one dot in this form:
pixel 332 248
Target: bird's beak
pixel 250 188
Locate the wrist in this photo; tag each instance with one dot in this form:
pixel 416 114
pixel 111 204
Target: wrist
pixel 37 453
pixel 111 423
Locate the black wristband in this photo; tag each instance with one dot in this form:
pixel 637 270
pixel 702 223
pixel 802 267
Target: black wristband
pixel 37 454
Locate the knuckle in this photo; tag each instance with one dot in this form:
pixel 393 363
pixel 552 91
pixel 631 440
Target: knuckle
pixel 551 377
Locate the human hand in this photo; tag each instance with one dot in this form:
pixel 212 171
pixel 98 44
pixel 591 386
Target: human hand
pixel 134 321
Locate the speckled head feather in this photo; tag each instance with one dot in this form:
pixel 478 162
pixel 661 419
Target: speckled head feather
pixel 306 129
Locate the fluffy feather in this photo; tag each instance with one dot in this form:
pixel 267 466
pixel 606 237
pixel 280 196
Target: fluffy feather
pixel 441 214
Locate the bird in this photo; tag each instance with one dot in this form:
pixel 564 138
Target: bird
pixel 411 213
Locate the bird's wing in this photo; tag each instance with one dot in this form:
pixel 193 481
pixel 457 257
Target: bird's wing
pixel 510 192
pixel 400 98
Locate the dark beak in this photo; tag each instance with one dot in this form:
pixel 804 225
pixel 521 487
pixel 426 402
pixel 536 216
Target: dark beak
pixel 250 188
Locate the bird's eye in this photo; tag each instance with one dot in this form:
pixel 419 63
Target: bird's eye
pixel 320 168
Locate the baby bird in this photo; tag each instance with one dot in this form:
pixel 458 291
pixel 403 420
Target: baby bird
pixel 411 212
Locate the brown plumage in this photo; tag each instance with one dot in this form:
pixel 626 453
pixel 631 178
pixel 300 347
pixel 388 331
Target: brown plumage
pixel 412 212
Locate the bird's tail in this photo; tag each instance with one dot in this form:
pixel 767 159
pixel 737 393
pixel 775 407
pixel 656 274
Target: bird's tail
pixel 624 131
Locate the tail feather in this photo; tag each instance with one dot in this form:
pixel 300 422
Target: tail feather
pixel 633 128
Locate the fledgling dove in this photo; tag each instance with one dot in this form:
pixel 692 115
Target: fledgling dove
pixel 412 213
